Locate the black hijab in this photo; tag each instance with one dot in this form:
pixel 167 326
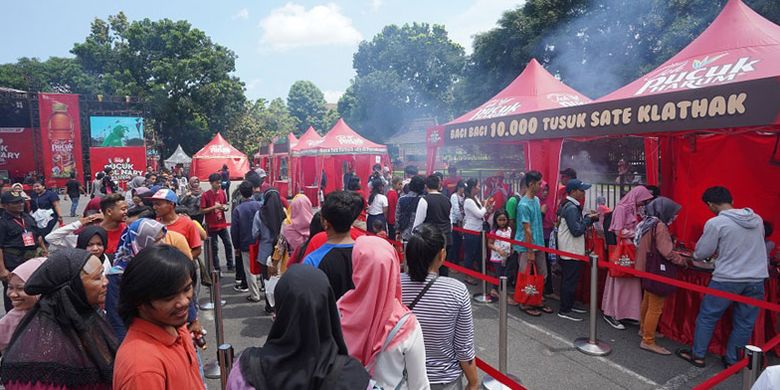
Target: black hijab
pixel 87 233
pixel 62 341
pixel 305 344
pixel 272 212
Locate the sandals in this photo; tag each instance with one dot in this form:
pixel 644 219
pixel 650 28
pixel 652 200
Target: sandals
pixel 530 311
pixel 654 348
pixel 687 355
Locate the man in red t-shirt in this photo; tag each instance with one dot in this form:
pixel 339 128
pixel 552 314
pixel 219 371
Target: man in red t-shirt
pixel 213 205
pixel 392 203
pixel 114 210
pixel 164 202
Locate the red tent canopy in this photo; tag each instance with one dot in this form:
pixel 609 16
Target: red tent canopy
pixel 211 157
pixel 739 45
pixel 341 139
pixel 534 89
pixel 308 140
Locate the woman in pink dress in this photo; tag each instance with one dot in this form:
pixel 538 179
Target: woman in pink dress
pixel 623 296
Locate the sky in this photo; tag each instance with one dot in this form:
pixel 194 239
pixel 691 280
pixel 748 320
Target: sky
pixel 277 42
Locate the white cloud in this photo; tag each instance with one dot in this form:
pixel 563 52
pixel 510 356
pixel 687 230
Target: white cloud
pixel 332 96
pixel 376 4
pixel 242 14
pixel 481 16
pixel 293 26
pixel 253 84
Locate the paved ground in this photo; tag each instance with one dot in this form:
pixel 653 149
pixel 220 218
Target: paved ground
pixel 540 348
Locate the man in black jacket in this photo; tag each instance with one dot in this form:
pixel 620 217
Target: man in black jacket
pixel 434 208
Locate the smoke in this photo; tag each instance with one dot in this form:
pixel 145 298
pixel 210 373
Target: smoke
pixel 587 170
pixel 606 47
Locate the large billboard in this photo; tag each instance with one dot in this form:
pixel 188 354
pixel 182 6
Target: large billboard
pixel 116 131
pixel 60 137
pixel 16 155
pixel 126 162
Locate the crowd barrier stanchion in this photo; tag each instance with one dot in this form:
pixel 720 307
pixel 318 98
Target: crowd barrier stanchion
pixel 484 297
pixel 591 345
pixel 225 356
pixel 210 268
pixel 755 362
pixel 488 382
pixel 212 369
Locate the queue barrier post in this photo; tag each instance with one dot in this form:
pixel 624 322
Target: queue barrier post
pixel 488 382
pixel 212 369
pixel 591 345
pixel 484 297
pixel 225 356
pixel 755 362
pixel 209 305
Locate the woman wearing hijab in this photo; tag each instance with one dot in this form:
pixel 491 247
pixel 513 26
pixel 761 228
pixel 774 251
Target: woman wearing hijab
pixel 315 227
pixel 623 296
pixel 379 330
pixel 63 343
pixel 21 302
pixel 94 240
pixel 192 200
pixel 305 349
pixel 136 182
pixel 652 235
pixel 296 232
pixel 266 228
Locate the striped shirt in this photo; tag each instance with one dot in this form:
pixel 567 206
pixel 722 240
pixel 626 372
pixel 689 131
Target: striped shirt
pixel 444 314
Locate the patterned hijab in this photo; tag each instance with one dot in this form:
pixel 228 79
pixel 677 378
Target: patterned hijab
pixel 137 236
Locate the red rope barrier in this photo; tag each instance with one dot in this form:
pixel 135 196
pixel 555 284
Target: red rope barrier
pixel 497 375
pixel 694 287
pixel 727 373
pixel 492 236
pixel 472 273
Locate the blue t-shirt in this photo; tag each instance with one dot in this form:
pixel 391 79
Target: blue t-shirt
pixel 315 258
pixel 43 201
pixel 529 211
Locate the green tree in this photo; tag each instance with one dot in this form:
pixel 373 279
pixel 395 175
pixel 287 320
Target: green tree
pixel 261 121
pixel 306 102
pixel 402 73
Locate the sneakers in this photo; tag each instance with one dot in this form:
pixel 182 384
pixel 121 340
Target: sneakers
pixel 240 288
pixel 578 309
pixel 613 322
pixel 570 316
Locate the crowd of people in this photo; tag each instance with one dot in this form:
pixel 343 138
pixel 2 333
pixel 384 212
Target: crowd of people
pixel 109 300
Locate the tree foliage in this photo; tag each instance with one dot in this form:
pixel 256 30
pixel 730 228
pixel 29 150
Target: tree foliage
pixel 307 104
pixel 595 46
pixel 402 73
pixel 261 121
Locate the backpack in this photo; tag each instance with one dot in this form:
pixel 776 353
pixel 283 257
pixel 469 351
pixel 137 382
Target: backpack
pixel 553 242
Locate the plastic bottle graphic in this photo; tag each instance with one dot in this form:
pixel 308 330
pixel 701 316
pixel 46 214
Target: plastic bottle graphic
pixel 61 138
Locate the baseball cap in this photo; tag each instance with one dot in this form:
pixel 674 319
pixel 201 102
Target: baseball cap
pixel 261 172
pixel 576 184
pixel 166 194
pixel 571 173
pixel 11 197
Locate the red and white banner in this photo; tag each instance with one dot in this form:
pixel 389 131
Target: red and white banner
pixel 126 162
pixel 16 155
pixel 60 137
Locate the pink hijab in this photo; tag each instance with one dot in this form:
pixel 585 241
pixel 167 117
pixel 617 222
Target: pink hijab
pixel 371 310
pixel 11 320
pixel 297 231
pixel 624 217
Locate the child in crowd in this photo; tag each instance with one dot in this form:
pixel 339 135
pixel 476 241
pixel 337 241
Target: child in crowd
pixel 499 249
pixel 379 228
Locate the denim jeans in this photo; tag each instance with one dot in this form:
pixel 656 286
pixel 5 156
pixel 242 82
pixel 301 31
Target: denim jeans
pixel 112 300
pixel 472 246
pixel 74 205
pixel 744 316
pixel 570 270
pixel 226 241
pixel 453 252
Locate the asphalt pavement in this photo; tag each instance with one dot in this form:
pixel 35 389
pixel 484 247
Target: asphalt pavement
pixel 540 349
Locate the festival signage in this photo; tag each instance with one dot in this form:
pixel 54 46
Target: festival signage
pixel 126 162
pixel 741 104
pixel 60 137
pixel 16 155
pixel 113 131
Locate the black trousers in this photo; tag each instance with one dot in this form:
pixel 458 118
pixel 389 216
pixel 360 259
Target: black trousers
pixel 240 275
pixel 570 270
pixel 225 236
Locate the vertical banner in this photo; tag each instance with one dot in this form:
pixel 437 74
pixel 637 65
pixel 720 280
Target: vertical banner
pixel 60 137
pixel 16 155
pixel 126 162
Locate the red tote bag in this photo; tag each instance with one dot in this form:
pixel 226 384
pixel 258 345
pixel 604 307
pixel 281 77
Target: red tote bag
pixel 529 287
pixel 254 266
pixel 623 254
